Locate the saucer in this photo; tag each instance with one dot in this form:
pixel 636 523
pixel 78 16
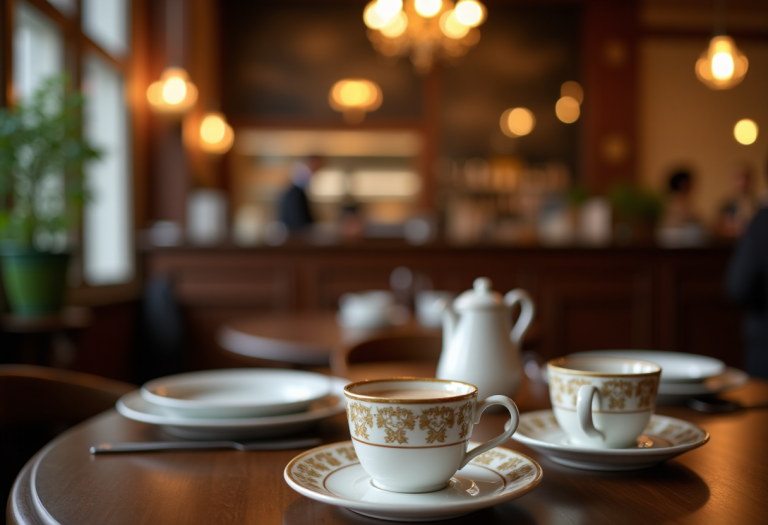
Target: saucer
pixel 236 393
pixel 663 439
pixel 676 367
pixel 133 406
pixel 332 474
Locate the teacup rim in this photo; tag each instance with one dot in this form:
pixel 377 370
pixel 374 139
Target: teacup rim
pixel 552 364
pixel 409 401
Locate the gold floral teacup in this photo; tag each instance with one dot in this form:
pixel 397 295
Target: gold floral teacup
pixel 411 435
pixel 603 402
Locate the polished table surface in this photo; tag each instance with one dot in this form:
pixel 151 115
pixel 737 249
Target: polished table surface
pixel 725 481
pixel 300 338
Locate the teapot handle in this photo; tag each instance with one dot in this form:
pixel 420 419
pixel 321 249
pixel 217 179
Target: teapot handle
pixel 526 313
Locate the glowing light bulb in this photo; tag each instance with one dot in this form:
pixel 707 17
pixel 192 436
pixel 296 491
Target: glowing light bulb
pixel 745 131
pixel 572 89
pixel 216 136
pixel 470 13
pixel 355 97
pixel 567 110
pixel 386 9
pixel 372 18
pixel 174 90
pixel 428 8
pixel 451 27
pixel 517 122
pixel 722 66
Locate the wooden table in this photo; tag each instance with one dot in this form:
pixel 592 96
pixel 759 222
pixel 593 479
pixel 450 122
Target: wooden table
pixel 725 481
pixel 299 338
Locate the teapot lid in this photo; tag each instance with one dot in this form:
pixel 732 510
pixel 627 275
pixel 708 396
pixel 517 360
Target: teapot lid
pixel 480 297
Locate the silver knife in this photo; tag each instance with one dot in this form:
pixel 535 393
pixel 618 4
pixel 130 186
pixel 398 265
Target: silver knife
pixel 147 446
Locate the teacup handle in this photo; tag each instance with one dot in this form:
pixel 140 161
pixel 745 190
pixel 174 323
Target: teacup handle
pixel 584 410
pixel 526 313
pixel 493 400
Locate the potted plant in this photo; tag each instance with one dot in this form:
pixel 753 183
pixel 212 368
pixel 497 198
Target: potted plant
pixel 42 192
pixel 635 211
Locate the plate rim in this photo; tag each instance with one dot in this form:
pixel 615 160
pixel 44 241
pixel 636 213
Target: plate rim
pixel 337 389
pixel 191 405
pixel 614 453
pixel 420 508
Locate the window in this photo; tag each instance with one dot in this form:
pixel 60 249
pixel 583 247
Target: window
pixel 40 51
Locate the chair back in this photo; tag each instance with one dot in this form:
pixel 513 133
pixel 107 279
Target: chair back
pixel 388 356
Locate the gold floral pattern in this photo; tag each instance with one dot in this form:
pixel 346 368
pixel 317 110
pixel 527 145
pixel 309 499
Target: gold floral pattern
pixel 395 421
pixel 486 458
pixel 436 421
pixel 520 473
pixel 361 419
pixel 510 464
pixel 557 385
pixel 313 463
pixel 616 392
pixel 328 458
pixel 572 388
pixel 671 430
pixel 645 390
pixel 465 419
pixel 348 452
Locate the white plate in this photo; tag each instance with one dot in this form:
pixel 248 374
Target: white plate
pixel 133 406
pixel 675 366
pixel 663 439
pixel 240 392
pixel 332 474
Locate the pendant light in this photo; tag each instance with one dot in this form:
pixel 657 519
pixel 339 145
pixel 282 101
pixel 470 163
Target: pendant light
pixel 173 94
pixel 216 135
pixel 721 65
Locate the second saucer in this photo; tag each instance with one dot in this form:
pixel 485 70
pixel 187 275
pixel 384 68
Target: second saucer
pixel 663 438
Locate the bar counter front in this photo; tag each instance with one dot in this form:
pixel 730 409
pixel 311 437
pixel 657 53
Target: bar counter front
pixel 586 298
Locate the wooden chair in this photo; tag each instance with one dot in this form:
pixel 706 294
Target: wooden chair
pixel 37 403
pixel 388 356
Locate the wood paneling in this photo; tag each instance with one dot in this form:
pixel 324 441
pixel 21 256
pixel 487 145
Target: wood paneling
pixel 586 299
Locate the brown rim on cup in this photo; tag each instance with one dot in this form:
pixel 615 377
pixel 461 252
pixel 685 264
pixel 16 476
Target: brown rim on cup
pixel 409 401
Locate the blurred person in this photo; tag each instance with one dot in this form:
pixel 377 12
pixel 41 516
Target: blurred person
pixel 747 285
pixel 739 209
pixel 293 207
pixel 680 226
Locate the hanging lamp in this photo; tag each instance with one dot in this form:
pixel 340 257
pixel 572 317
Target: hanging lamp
pixel 721 65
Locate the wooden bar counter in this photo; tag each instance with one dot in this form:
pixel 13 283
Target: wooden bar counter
pixel 635 297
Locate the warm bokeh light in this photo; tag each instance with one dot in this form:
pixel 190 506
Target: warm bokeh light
pixel 173 93
pixel 567 109
pixel 396 26
pixel 572 89
pixel 216 136
pixel 745 131
pixel 722 65
pixel 371 17
pixel 354 97
pixel 386 9
pixel 451 27
pixel 470 12
pixel 428 8
pixel 517 122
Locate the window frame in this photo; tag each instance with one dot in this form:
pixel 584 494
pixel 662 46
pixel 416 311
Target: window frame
pixel 77 45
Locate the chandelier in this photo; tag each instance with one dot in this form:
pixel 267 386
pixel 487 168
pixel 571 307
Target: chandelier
pixel 721 65
pixel 424 29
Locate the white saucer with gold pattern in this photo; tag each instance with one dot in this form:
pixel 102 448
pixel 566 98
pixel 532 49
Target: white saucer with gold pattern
pixel 332 474
pixel 663 438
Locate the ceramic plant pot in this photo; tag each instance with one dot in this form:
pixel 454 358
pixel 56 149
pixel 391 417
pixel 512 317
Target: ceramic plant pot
pixel 34 282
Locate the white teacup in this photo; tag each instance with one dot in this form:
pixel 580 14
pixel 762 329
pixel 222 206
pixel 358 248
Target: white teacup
pixel 603 402
pixel 429 307
pixel 368 309
pixel 411 435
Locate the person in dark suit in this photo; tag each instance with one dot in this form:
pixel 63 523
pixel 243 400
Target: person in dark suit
pixel 747 285
pixel 293 207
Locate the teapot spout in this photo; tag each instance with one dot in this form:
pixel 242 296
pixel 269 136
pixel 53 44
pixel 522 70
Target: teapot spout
pixel 450 318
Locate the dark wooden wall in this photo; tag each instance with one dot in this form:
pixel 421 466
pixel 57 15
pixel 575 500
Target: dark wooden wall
pixel 643 298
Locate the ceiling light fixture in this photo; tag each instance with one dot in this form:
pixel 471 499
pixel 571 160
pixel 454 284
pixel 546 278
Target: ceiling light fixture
pixel 721 65
pixel 424 29
pixel 354 97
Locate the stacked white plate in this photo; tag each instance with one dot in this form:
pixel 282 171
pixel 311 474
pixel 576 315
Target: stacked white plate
pixel 684 375
pixel 235 404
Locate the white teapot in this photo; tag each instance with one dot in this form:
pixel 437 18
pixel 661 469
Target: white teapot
pixel 480 345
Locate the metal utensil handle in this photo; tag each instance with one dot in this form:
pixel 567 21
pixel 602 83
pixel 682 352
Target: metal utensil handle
pixel 108 448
